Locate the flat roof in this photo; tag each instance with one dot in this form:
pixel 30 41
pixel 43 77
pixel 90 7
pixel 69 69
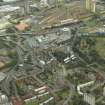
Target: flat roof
pixel 8 8
pixel 2 76
pixel 9 0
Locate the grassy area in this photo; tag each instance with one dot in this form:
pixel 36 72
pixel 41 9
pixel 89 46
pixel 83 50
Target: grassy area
pixel 91 25
pixel 63 94
pixel 32 103
pixel 100 46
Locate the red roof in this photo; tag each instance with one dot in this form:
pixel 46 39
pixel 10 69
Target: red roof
pixel 22 26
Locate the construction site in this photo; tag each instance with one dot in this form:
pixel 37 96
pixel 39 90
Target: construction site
pixel 52 52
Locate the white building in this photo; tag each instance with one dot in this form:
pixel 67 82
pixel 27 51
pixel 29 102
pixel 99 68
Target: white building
pixel 9 0
pixel 89 99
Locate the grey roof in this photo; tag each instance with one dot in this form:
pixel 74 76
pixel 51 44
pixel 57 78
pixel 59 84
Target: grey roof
pixel 2 76
pixel 9 0
pixel 8 8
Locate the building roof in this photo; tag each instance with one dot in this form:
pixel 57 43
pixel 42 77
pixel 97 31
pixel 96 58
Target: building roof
pixel 21 26
pixel 9 0
pixel 2 76
pixel 8 8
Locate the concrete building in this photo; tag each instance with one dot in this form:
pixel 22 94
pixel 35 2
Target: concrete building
pixel 9 0
pixel 91 5
pixel 23 4
pixel 104 91
pixel 89 99
pixel 8 9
